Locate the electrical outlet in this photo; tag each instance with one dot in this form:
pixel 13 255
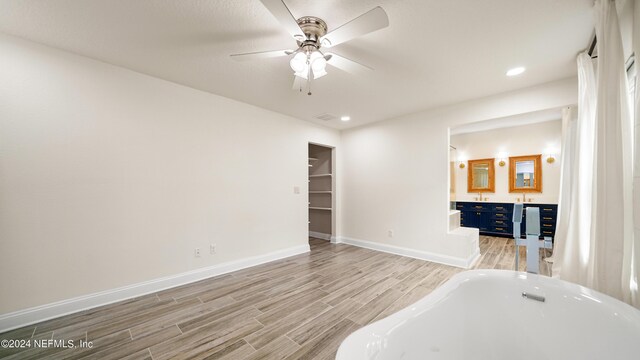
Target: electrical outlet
pixel 390 233
pixel 196 252
pixel 212 249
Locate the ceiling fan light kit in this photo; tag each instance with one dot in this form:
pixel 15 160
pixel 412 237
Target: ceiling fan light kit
pixel 308 61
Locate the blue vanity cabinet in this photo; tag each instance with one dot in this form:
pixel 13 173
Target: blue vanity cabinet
pixel 476 215
pixel 501 219
pixel 548 219
pixel 496 219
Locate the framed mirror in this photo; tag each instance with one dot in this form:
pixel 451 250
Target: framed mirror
pixel 481 177
pixel 525 174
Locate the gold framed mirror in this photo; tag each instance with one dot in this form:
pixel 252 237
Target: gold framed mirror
pixel 525 174
pixel 481 176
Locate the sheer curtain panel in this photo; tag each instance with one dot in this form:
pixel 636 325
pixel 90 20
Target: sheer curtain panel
pixel 595 242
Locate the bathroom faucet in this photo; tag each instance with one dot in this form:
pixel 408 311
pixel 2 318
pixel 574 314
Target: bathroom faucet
pixel 480 196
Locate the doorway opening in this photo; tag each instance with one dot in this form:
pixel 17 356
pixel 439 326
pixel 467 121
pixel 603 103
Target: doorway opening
pixel 321 192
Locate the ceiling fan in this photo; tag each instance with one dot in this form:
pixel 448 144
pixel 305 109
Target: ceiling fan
pixel 308 61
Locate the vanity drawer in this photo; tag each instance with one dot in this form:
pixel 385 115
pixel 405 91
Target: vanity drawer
pixel 502 208
pixel 501 223
pixel 502 216
pixel 548 209
pixel 464 206
pixel 546 218
pixel 501 229
pixel 465 219
pixel 548 223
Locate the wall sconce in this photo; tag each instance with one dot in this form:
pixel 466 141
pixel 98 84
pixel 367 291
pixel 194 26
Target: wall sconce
pixel 502 158
pixel 462 159
pixel 550 155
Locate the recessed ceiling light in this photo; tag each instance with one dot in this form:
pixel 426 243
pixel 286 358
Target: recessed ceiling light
pixel 345 118
pixel 515 71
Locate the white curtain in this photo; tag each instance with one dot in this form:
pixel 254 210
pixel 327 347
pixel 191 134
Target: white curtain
pixel 573 243
pixel 595 242
pixel 634 248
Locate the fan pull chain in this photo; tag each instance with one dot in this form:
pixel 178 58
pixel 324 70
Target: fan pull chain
pixel 309 80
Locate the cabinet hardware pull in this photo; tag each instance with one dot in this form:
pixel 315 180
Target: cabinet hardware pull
pixel 499 207
pixel 547 218
pixel 499 222
pixel 547 232
pixel 501 229
pixel 547 225
pixel 545 209
pixel 500 215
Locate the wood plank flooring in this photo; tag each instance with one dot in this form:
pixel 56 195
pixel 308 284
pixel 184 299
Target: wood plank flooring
pixel 297 308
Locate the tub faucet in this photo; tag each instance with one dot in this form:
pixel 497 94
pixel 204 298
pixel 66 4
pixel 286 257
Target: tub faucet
pixel 532 242
pixel 527 295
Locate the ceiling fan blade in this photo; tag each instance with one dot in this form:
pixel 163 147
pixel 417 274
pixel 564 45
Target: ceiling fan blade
pixel 261 55
pixel 345 64
pixel 281 12
pixel 370 21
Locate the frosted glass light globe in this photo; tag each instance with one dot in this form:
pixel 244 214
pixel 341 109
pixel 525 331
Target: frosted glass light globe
pixel 298 62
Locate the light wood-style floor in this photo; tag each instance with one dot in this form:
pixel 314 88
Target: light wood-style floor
pixel 298 308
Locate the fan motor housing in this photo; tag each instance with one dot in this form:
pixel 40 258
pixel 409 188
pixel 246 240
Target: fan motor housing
pixel 314 28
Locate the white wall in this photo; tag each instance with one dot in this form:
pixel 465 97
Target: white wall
pixel 109 177
pixel 529 139
pixel 396 171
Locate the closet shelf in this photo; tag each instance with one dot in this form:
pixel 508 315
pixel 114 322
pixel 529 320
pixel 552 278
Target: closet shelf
pixel 319 208
pixel 313 159
pixel 319 175
pixel 319 191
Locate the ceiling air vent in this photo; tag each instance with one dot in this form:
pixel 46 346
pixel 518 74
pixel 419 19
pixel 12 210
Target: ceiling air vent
pixel 326 117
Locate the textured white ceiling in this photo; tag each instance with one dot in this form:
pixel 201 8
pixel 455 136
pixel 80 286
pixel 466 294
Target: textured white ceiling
pixel 434 52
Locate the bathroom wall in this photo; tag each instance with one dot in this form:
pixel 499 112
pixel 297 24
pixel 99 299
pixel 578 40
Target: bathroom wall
pixel 529 139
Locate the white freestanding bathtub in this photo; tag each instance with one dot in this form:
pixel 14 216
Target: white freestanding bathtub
pixel 482 314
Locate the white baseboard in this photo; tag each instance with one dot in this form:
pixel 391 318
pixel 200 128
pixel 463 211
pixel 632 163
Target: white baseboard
pixel 320 235
pixel 53 310
pixel 416 254
pixel 473 259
